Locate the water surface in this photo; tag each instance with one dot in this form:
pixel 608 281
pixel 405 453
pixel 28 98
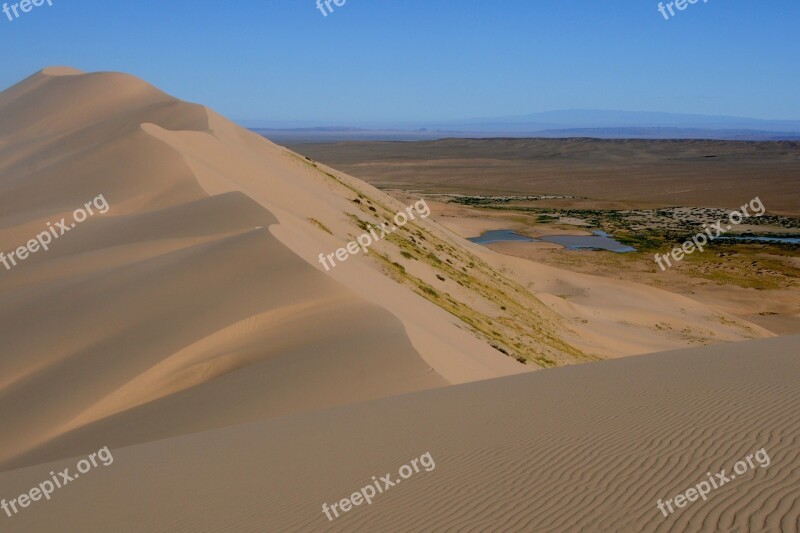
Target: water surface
pixel 599 241
pixel 501 235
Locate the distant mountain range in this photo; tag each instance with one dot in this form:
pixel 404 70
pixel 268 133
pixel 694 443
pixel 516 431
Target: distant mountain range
pixel 565 123
pixel 671 133
pixel 588 118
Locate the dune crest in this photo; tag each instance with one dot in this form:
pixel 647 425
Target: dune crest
pixel 197 301
pixel 61 71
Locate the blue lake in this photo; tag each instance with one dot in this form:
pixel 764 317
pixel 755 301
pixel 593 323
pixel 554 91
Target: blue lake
pixel 599 241
pixel 501 235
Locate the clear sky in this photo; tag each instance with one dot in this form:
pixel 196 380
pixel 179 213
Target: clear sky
pixel 406 60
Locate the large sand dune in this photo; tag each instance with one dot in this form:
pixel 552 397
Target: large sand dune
pixel 197 301
pixel 584 448
pixel 176 301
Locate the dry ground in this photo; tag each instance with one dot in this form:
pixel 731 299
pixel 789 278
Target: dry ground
pixel 618 173
pixel 760 283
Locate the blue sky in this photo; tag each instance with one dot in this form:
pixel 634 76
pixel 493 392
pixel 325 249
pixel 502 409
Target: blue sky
pixel 407 60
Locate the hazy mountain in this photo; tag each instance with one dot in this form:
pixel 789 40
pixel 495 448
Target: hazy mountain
pixel 601 124
pixel 590 118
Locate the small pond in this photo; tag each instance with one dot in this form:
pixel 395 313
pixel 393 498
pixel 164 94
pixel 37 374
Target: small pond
pixel 599 241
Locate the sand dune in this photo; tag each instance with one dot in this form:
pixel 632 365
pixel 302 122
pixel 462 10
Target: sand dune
pixel 196 303
pixel 198 296
pixel 618 318
pixel 585 448
pixel 175 300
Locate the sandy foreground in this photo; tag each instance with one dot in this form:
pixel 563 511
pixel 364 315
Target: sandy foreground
pixel 192 330
pixel 585 448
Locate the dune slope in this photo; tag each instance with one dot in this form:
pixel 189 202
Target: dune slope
pixel 585 448
pixel 196 300
pixel 175 301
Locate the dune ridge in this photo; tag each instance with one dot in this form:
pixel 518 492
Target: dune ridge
pixel 197 301
pixel 99 320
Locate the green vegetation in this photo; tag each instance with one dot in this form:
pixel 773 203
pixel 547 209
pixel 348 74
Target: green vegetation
pixel 518 325
pixel 519 331
pixel 361 224
pixel 320 225
pixel 754 266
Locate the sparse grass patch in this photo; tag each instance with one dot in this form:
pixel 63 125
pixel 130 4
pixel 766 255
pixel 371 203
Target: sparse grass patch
pixel 361 224
pixel 427 289
pixel 320 225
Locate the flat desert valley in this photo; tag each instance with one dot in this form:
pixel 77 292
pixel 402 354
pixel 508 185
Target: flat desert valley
pixel 651 194
pixel 209 325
